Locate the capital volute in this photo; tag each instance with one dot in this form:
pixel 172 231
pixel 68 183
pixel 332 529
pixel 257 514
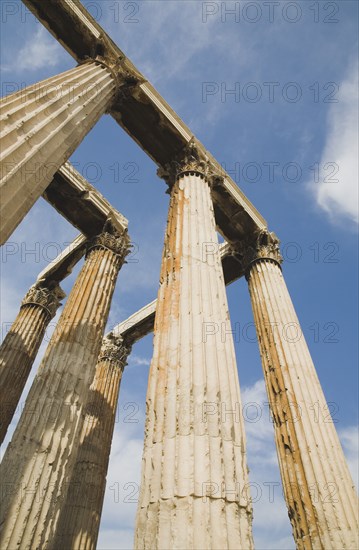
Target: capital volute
pixel 115 350
pixel 46 295
pixel 113 239
pixel 191 160
pixel 262 246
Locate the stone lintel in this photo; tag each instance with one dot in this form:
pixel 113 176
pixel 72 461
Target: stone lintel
pixel 137 325
pixel 62 265
pixel 80 203
pixel 142 107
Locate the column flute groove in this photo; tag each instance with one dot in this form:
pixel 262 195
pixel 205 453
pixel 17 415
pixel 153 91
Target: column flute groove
pixel 329 467
pixel 20 346
pixel 80 515
pixel 41 457
pixel 194 473
pixel 320 494
pixel 41 127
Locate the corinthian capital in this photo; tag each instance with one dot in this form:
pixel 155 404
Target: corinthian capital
pixel 115 350
pixel 123 72
pixel 264 246
pixel 189 161
pixel 112 239
pixel 45 295
pixel 125 76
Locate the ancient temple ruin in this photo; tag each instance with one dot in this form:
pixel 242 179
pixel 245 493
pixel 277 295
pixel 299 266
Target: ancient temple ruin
pixel 63 451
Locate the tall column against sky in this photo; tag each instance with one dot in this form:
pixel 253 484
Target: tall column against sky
pixel 319 492
pixel 21 344
pixel 80 516
pixel 41 126
pixel 194 491
pixel 36 471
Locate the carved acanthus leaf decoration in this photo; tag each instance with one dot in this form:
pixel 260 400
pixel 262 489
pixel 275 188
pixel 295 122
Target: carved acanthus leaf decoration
pixel 189 160
pixel 115 350
pixel 44 296
pixel 111 239
pixel 265 245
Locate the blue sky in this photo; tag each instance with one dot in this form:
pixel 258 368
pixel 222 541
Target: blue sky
pixel 293 153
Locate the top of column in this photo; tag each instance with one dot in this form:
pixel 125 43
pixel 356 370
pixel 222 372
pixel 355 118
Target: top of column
pixel 125 77
pixel 46 294
pixel 111 238
pixel 82 36
pixel 115 349
pixel 189 160
pixel 263 245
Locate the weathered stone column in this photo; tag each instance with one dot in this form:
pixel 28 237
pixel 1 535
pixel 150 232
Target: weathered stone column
pixel 36 471
pixel 320 495
pixel 80 516
pixel 41 126
pixel 21 344
pixel 194 491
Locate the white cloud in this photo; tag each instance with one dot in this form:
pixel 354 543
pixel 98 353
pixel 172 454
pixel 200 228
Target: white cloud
pixel 135 360
pixel 123 479
pixel 271 526
pixel 38 52
pixel 349 438
pixel 161 23
pixel 115 539
pixel 337 194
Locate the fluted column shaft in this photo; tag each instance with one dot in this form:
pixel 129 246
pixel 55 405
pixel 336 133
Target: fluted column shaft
pixel 80 516
pixel 41 127
pixel 21 344
pixel 39 461
pixel 319 492
pixel 194 491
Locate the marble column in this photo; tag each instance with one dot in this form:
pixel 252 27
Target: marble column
pixel 36 472
pixel 41 126
pixel 194 486
pixel 80 516
pixel 319 492
pixel 21 344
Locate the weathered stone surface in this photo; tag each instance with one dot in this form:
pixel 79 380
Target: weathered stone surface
pixel 80 203
pixel 80 515
pixel 21 344
pixel 61 266
pixel 319 492
pixel 142 321
pixel 41 126
pixel 143 108
pixel 37 470
pixel 191 465
pixel 194 491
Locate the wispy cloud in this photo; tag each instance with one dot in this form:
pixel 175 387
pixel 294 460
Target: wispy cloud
pixel 271 524
pixel 349 438
pixel 173 43
pixel 163 23
pixel 337 193
pixel 39 51
pixel 135 360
